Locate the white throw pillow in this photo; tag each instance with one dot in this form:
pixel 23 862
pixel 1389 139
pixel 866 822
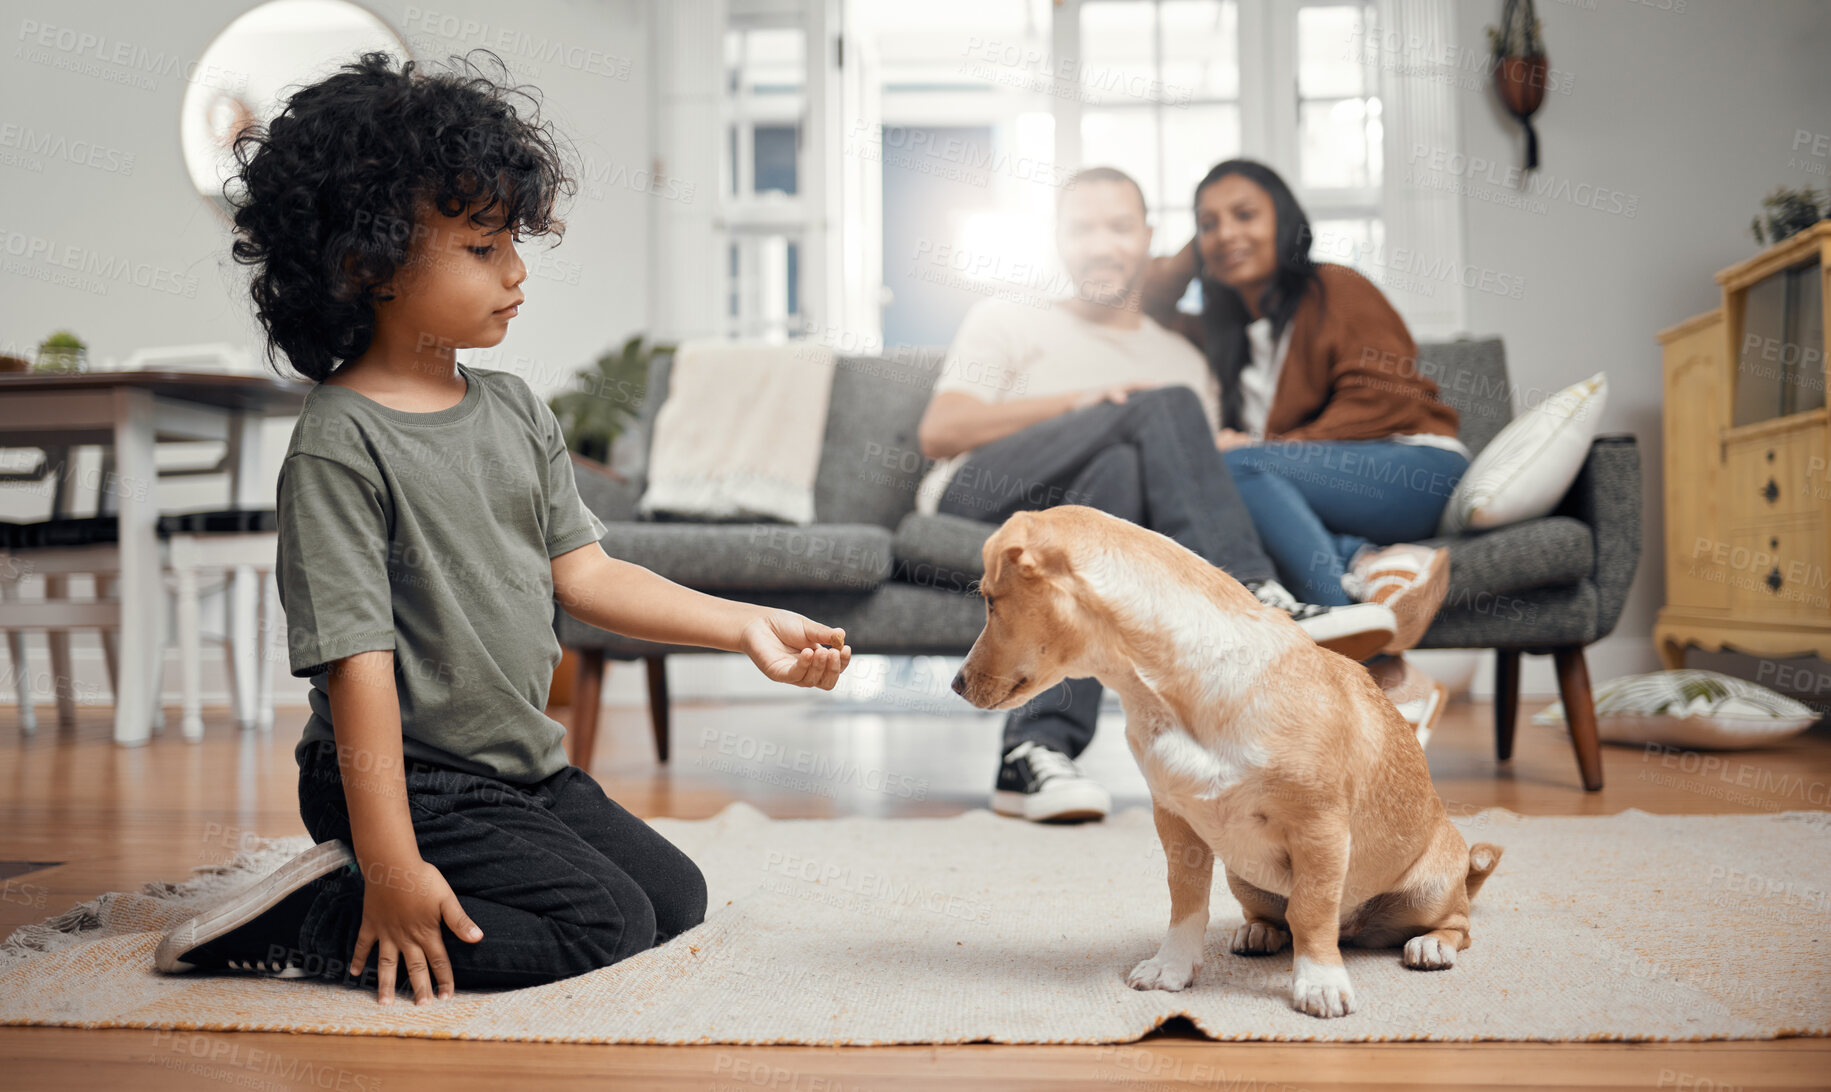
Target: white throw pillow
pixel 1525 471
pixel 1691 708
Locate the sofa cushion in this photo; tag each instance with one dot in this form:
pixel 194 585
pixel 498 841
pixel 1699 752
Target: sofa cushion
pixel 939 551
pixel 1535 620
pixel 944 551
pixel 756 556
pixel 893 620
pixel 1536 553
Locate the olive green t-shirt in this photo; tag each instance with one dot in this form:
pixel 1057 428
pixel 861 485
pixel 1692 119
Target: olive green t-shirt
pixel 432 534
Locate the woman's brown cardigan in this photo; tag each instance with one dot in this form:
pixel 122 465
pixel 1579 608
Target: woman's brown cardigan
pixel 1351 372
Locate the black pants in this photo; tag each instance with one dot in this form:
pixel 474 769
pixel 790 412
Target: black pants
pixel 560 878
pixel 1150 460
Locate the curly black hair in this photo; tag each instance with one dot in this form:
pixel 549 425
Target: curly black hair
pixel 326 194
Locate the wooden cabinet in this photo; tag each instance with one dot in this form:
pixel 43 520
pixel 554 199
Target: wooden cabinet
pixel 1747 481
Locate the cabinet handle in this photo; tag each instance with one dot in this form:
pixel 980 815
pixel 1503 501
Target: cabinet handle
pixel 1771 491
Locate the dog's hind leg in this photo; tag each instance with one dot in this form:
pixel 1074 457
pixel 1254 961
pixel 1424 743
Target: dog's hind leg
pixel 1263 932
pixel 1191 876
pixel 1319 868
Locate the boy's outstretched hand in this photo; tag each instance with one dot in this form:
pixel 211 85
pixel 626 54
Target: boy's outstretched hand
pixel 787 647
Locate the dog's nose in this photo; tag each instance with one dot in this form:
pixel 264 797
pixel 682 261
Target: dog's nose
pixel 960 681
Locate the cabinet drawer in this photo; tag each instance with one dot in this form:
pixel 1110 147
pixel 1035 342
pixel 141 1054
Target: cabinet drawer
pixel 1777 476
pixel 1777 571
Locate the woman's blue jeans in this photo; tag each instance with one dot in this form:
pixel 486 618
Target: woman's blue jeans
pixel 1315 504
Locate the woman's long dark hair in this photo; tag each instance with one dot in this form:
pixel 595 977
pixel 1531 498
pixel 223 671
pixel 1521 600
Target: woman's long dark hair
pixel 1224 317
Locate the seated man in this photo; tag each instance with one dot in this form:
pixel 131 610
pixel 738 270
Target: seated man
pixel 1089 401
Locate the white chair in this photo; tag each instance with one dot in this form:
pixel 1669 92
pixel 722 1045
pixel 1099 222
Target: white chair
pixel 188 560
pixel 185 557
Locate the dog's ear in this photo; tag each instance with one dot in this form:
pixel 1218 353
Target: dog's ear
pixel 1019 556
pixel 1025 539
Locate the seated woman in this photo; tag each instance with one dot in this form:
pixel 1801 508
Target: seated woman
pixel 1340 447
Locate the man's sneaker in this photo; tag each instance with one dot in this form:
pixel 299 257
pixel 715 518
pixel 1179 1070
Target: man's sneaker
pixel 256 929
pixel 1418 697
pixel 1044 786
pixel 1410 579
pixel 1357 631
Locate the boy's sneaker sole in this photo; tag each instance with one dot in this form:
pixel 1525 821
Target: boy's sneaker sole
pixel 1357 630
pixel 318 861
pixel 1070 803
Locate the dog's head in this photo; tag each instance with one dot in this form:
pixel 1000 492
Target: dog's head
pixel 1035 632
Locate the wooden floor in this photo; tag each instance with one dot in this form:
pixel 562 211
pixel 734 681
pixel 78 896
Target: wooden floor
pixel 114 818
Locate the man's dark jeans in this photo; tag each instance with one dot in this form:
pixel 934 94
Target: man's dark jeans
pixel 560 878
pixel 1150 460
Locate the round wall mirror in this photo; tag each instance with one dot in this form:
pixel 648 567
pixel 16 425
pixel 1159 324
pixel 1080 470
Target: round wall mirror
pixel 269 50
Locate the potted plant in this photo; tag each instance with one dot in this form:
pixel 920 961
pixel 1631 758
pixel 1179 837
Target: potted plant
pixel 1518 58
pixel 605 399
pixel 1789 212
pixel 62 352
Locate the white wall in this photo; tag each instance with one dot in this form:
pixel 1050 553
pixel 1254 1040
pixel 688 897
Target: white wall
pixel 1690 117
pixel 586 296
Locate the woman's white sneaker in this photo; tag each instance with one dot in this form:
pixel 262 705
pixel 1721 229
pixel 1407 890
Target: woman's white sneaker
pixel 1410 579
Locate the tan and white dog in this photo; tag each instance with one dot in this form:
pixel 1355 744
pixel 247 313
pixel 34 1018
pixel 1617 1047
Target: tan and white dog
pixel 1279 757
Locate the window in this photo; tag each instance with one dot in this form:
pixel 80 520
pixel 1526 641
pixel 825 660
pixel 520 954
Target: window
pixel 926 155
pixel 1338 132
pixel 1160 99
pixel 765 85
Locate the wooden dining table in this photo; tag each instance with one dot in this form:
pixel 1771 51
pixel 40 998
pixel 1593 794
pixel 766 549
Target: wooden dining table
pixel 132 412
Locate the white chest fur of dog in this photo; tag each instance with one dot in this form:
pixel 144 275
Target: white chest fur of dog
pixel 1279 758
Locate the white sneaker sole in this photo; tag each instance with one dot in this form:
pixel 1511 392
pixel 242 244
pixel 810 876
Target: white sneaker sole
pixel 318 861
pixel 1069 802
pixel 1357 630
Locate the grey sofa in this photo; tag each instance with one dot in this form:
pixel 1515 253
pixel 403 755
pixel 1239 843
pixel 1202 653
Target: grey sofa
pixel 897 582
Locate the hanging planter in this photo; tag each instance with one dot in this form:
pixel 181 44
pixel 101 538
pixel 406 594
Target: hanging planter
pixel 1519 68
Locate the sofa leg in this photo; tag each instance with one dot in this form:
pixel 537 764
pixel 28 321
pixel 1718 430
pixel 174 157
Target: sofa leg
pixel 587 684
pixel 1506 700
pixel 1580 712
pixel 658 703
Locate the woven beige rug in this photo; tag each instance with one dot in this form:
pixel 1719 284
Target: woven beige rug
pixel 870 931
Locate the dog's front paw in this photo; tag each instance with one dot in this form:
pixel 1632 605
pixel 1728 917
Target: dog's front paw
pixel 1158 973
pixel 1259 938
pixel 1321 990
pixel 1427 953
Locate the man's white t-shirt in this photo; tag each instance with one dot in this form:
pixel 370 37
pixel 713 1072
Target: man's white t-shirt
pixel 1007 350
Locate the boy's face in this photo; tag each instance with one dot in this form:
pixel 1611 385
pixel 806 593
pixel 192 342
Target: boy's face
pixel 459 286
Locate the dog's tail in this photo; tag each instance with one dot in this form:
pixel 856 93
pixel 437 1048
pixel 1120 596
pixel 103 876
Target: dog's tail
pixel 1483 857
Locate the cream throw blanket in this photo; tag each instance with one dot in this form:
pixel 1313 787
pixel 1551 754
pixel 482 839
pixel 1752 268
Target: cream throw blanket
pixel 740 433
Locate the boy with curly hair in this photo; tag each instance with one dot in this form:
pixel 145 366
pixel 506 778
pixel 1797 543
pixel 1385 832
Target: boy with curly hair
pixel 428 519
